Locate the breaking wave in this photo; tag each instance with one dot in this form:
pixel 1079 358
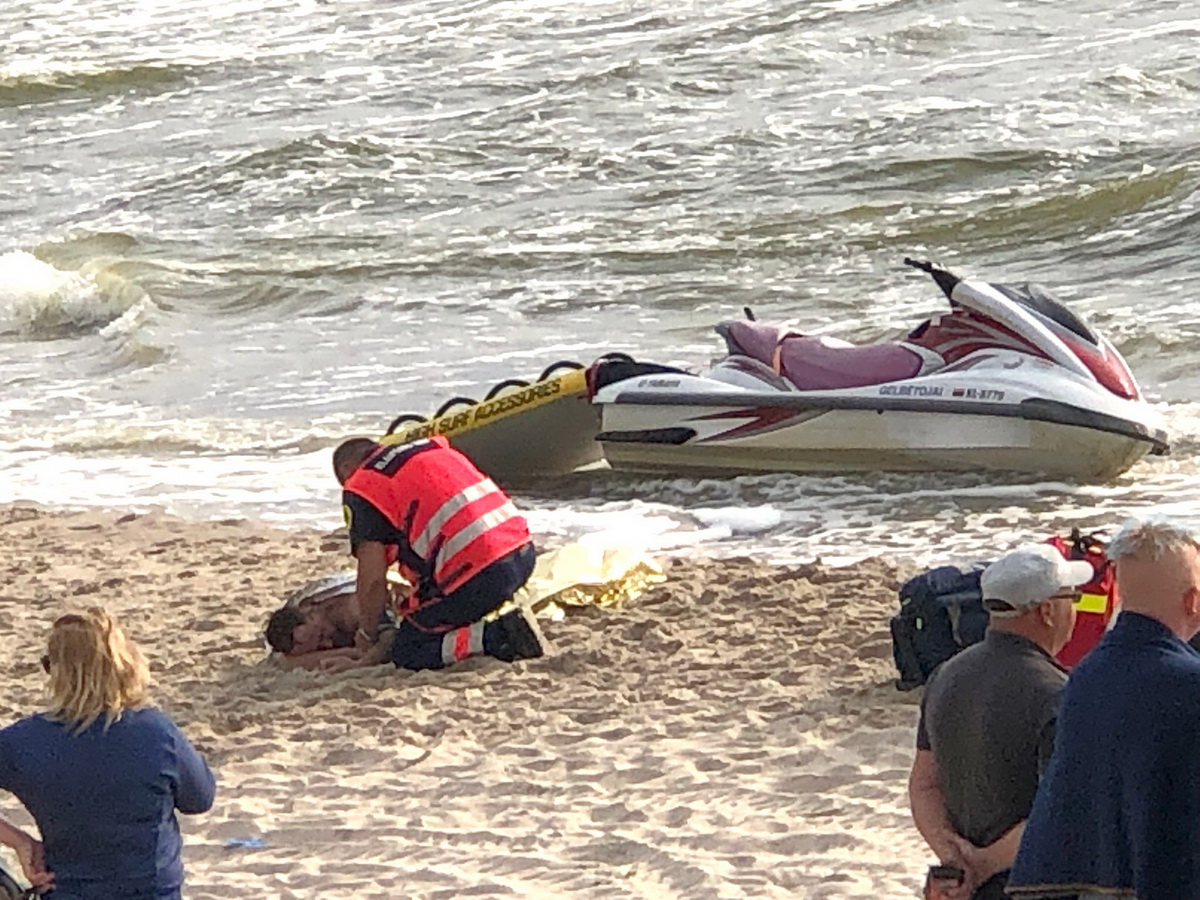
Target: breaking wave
pixel 41 302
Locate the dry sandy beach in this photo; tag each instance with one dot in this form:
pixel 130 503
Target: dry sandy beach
pixel 732 733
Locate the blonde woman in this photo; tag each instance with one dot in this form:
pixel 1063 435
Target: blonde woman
pixel 102 772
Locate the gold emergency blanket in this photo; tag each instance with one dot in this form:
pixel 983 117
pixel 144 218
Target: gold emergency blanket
pixel 576 574
pixel 580 574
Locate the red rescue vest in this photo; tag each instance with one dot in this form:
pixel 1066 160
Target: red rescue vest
pixel 454 521
pixel 1098 601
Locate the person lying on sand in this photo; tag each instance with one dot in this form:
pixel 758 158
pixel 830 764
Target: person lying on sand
pixel 314 629
pixel 316 624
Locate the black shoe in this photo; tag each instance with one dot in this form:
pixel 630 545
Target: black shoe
pixel 522 637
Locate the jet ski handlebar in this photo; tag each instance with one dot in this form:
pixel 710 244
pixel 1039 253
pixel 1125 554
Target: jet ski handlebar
pixel 945 279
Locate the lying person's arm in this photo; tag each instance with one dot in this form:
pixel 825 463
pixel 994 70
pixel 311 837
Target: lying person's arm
pixel 314 659
pixel 379 653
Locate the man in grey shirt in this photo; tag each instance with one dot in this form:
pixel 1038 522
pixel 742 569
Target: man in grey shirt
pixel 987 720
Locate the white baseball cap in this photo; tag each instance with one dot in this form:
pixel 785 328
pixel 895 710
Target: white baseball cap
pixel 1020 580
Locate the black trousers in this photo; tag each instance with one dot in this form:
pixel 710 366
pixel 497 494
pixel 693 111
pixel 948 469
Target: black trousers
pixel 423 638
pixel 993 888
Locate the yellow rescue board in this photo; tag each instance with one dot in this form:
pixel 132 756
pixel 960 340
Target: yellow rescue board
pixel 520 429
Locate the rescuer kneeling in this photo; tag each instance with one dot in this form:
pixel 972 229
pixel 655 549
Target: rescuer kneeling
pixel 454 535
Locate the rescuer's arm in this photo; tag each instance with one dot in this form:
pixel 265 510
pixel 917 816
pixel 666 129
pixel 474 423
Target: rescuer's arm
pixel 370 591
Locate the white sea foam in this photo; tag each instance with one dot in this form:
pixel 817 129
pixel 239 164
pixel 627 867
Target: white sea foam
pixel 297 490
pixel 38 300
pixel 741 520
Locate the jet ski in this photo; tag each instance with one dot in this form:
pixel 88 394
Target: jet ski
pixel 1007 379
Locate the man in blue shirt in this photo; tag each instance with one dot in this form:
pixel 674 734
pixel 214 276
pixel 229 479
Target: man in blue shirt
pixel 1117 814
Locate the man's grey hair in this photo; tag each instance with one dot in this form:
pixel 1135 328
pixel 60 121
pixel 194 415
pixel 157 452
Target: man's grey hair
pixel 1152 537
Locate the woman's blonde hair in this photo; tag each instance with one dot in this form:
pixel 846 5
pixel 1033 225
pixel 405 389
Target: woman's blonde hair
pixel 94 670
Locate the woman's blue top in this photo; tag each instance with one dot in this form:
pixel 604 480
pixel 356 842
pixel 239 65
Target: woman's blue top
pixel 105 801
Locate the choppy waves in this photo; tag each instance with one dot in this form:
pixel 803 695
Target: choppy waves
pixel 37 86
pixel 133 431
pixel 259 225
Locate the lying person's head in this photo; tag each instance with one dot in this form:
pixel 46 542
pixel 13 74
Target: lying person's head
pixel 1032 591
pixel 292 630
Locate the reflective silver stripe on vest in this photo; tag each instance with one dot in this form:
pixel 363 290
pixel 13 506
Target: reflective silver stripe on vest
pixel 487 522
pixel 424 541
pixel 473 645
pixel 448 642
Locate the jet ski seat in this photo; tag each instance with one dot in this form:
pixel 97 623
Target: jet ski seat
pixel 818 363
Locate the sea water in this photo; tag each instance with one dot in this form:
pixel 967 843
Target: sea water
pixel 232 232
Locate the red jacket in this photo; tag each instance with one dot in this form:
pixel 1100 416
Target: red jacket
pixel 450 520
